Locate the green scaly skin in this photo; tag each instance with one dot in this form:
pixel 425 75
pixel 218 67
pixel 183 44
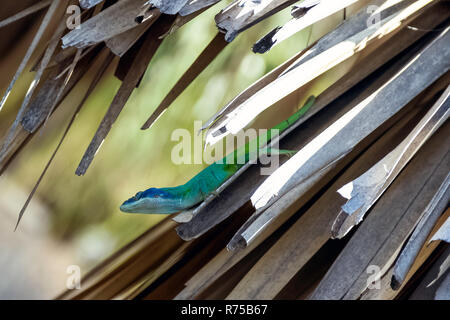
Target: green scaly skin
pixel 206 182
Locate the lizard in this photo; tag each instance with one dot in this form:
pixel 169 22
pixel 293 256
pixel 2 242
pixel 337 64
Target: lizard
pixel 175 199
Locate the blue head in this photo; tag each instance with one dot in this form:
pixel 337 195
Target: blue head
pixel 154 200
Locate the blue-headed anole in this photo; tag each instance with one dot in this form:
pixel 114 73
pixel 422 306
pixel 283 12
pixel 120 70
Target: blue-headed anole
pixel 206 182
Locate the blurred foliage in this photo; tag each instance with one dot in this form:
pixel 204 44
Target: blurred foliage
pixel 130 159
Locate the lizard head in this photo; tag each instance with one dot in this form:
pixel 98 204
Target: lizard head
pixel 153 200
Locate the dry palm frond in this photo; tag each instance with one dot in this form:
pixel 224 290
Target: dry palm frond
pixel 136 71
pixel 24 13
pixel 385 107
pixel 435 279
pixel 112 21
pixel 47 20
pixel 242 14
pixel 429 219
pixel 315 63
pixel 363 192
pixel 322 159
pixel 91 88
pixel 388 228
pixel 216 45
pixel 305 15
pixel 87 4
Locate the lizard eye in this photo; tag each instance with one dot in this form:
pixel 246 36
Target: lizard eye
pixel 138 195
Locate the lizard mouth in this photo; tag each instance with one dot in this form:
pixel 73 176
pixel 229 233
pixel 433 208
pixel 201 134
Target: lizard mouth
pixel 132 205
pixel 150 206
pixel 126 208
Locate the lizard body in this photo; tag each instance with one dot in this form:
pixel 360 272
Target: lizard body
pixel 175 199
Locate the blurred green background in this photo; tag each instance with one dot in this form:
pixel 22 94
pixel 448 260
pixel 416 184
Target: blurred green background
pixel 82 214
